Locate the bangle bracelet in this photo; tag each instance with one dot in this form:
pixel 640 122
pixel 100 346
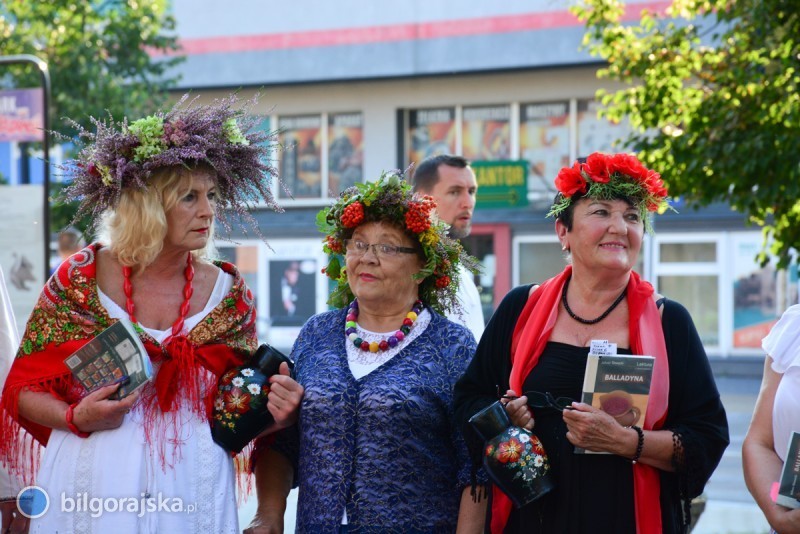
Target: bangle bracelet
pixel 640 445
pixel 72 428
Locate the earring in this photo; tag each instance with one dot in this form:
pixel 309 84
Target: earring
pixel 564 247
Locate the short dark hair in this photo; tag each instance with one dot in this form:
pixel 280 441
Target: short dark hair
pixel 426 174
pixel 566 216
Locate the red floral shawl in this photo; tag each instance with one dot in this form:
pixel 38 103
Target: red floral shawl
pixel 531 334
pixel 69 314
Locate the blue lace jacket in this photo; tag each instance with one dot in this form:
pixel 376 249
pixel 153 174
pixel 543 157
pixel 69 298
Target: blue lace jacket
pixel 385 447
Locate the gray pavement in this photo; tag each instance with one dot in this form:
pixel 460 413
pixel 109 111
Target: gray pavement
pixel 729 509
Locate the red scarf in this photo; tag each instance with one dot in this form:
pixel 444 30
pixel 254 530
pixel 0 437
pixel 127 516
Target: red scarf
pixel 532 333
pixel 69 314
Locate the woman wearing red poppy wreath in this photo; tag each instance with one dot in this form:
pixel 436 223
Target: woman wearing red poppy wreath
pixel 146 463
pixel 538 341
pixel 376 448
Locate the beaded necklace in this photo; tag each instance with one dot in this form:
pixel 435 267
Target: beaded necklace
pixel 351 330
pixel 589 321
pixel 188 273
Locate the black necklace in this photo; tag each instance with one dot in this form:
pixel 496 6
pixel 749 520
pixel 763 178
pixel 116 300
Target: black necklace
pixel 590 321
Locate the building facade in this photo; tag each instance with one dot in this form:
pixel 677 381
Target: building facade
pixel 358 87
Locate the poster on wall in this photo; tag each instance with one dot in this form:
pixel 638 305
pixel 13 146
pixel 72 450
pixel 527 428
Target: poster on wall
pixel 22 247
pixel 301 156
pixel 345 151
pixel 295 288
pixel 486 133
pixel 759 298
pixel 596 134
pixel 21 116
pixel 431 132
pixel 544 143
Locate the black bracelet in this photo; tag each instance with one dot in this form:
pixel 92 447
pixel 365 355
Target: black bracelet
pixel 639 446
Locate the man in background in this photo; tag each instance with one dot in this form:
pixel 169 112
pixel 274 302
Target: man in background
pixel 451 182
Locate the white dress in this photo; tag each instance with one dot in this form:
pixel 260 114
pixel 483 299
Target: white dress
pixel 114 481
pixel 783 345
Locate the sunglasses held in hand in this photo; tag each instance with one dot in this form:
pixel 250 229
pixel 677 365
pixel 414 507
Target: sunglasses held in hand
pixel 537 399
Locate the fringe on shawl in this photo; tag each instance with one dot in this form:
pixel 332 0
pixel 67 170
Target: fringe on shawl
pixel 21 447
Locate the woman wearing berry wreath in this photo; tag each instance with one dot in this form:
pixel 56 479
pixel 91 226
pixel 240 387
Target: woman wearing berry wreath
pixel 538 341
pixel 376 449
pixel 158 184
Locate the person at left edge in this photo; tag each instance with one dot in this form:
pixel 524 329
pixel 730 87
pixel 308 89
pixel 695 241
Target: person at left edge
pixel 157 185
pixel 10 484
pixel 376 448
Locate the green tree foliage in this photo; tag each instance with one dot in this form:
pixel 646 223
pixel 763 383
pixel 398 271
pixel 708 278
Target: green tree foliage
pixel 712 90
pixel 98 55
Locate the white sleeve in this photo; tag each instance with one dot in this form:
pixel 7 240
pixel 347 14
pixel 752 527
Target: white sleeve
pixel 783 341
pixel 471 312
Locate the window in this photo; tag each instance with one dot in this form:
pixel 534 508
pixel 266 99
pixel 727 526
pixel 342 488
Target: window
pixel 345 151
pixel 430 132
pixel 687 269
pixel 548 135
pixel 540 257
pixel 300 167
pixel 544 144
pixel 486 133
pixel 306 144
pixel 595 133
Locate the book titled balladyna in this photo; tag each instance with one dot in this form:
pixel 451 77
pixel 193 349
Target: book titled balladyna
pixel 789 488
pixel 619 385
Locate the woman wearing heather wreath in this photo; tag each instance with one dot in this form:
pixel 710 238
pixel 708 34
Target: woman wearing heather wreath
pixel 538 341
pixel 376 448
pixel 156 185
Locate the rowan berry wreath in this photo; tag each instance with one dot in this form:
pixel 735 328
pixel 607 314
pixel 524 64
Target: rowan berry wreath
pixel 390 199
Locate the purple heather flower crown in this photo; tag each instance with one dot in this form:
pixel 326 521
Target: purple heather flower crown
pixel 123 155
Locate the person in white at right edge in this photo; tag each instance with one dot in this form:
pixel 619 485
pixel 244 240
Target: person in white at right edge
pixel 451 182
pixel 10 485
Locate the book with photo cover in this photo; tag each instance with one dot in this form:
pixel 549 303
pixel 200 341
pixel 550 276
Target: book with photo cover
pixel 619 385
pixel 114 353
pixel 789 485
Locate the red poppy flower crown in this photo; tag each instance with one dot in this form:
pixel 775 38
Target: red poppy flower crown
pixel 391 199
pixel 612 176
pixel 122 155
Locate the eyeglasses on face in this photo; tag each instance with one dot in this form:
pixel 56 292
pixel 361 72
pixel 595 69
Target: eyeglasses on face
pixel 354 247
pixel 537 399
